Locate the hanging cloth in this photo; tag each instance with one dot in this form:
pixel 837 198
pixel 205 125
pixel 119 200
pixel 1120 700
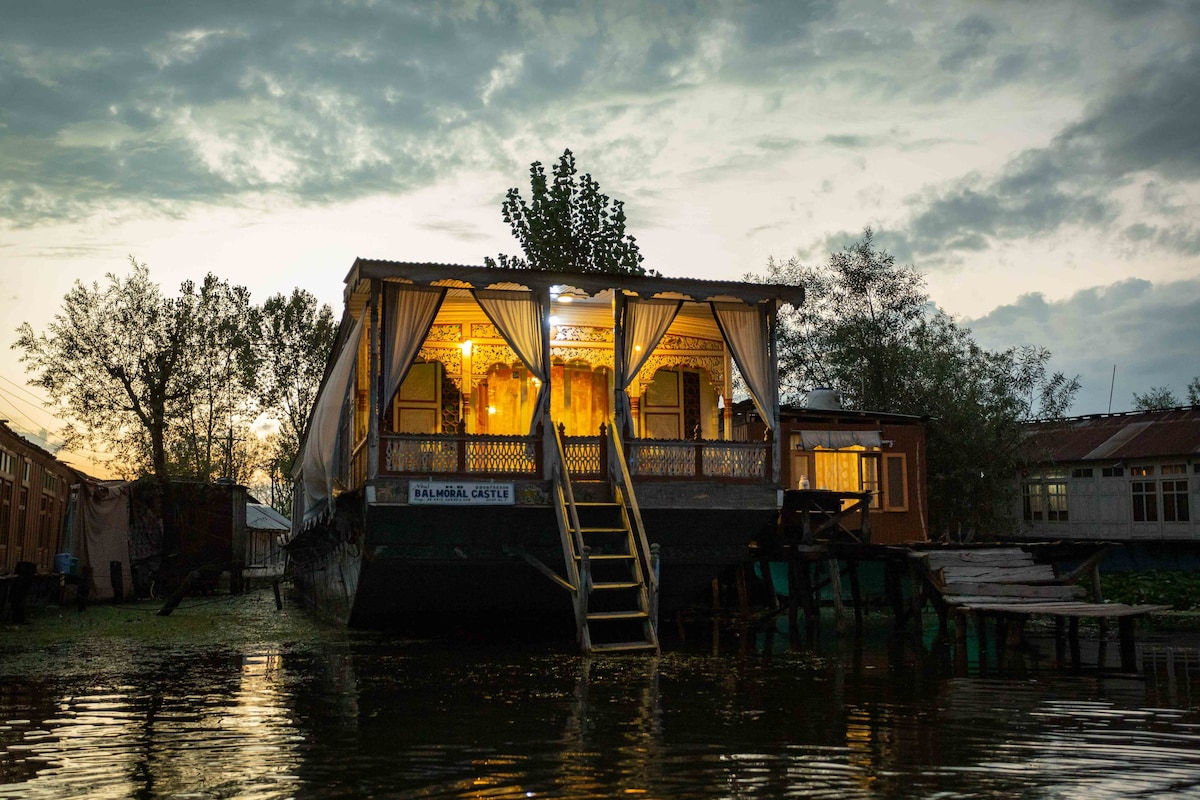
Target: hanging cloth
pixel 745 330
pixel 521 319
pixel 645 323
pixel 836 440
pixel 410 311
pixel 318 463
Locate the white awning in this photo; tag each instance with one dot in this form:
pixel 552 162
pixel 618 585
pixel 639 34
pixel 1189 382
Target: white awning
pixel 836 440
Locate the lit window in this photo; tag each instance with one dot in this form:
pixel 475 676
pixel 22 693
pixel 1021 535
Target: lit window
pixel 6 462
pixel 1032 501
pixel 1141 472
pixel 1056 502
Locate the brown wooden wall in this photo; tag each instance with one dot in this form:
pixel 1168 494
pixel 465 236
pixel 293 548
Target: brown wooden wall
pixel 34 488
pixel 907 438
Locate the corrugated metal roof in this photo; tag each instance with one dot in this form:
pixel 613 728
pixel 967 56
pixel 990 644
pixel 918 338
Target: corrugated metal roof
pixel 265 518
pixel 1113 437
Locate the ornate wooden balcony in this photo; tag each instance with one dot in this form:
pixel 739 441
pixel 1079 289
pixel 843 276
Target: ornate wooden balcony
pixel 521 456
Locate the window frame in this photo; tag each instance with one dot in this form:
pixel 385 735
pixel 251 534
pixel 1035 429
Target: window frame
pixel 1176 506
pixel 886 480
pixel 1144 497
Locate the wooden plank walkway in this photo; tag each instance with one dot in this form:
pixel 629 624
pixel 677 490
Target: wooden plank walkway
pixel 1008 582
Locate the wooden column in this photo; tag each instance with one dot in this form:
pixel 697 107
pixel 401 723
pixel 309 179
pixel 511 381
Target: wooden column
pixel 1128 646
pixel 835 590
pixel 855 593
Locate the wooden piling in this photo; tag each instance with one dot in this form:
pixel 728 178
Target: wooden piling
pixel 835 590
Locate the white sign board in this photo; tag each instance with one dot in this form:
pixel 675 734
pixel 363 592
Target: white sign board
pixel 444 493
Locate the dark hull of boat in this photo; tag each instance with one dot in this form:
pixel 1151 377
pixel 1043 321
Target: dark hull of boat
pixel 439 569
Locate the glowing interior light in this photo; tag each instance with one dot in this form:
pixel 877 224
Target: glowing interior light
pixel 553 320
pixel 466 347
pixel 491 409
pixel 565 298
pixel 637 348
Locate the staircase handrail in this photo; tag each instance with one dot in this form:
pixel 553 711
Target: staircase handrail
pixel 619 473
pixel 556 454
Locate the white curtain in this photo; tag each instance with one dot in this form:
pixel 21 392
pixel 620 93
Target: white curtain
pixel 521 319
pixel 745 331
pixel 836 440
pixel 410 312
pixel 645 323
pixel 319 461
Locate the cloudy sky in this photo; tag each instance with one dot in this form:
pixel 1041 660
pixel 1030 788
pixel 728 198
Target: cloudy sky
pixel 1038 162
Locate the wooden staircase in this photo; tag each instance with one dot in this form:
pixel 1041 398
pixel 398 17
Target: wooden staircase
pixel 610 568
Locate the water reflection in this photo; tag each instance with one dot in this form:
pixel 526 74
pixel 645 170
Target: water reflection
pixel 741 716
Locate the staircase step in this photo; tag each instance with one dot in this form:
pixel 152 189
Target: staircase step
pixel 611 615
pixel 616 585
pixel 599 505
pixel 618 529
pixel 619 647
pixel 607 557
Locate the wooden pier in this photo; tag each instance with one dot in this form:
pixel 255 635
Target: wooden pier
pixel 1008 586
pixel 989 585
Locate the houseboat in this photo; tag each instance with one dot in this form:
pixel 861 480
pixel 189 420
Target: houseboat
pixel 495 447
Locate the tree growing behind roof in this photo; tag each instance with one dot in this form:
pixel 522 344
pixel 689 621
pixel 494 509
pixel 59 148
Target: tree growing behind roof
pixel 114 364
pixel 172 387
pixel 212 435
pixel 568 225
pixel 1159 397
pixel 868 330
pixel 296 336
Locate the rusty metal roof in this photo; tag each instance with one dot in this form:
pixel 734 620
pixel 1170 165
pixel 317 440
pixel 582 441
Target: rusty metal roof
pixel 1115 437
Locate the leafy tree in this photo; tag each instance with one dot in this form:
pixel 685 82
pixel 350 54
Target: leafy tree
pixel 568 225
pixel 295 338
pixel 868 330
pixel 1160 397
pixel 1193 391
pixel 114 363
pixel 214 416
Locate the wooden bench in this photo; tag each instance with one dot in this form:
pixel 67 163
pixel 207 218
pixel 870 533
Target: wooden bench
pixel 1009 583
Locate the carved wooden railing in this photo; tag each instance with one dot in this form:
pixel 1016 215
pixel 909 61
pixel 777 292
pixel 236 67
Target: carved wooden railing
pixel 702 460
pixel 584 457
pixel 460 454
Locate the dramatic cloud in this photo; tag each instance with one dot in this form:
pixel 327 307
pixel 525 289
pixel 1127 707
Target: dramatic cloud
pixel 1147 331
pixel 1001 148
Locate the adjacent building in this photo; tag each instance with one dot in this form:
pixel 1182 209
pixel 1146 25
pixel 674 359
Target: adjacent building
pixel 34 487
pixel 1132 477
pixel 844 450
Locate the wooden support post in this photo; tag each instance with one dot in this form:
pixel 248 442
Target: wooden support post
pixel 835 590
pixel 1073 640
pixel 177 596
pixel 981 639
pixel 743 595
pixel 895 593
pixel 278 596
pixel 793 571
pixel 812 608
pixel 1060 640
pixel 1128 646
pixel 960 643
pixel 855 593
pixel 1098 597
pixel 716 597
pixel 764 566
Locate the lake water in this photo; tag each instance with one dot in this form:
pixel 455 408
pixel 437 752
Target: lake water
pixel 262 704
